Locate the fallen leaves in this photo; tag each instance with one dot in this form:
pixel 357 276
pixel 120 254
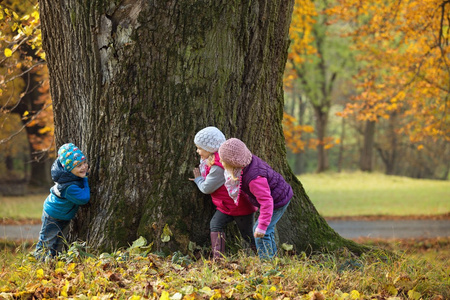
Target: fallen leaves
pixel 134 274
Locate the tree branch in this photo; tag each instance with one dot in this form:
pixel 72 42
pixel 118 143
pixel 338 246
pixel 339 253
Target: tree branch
pixel 24 72
pixel 25 125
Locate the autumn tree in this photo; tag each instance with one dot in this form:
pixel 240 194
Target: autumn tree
pixel 317 58
pixel 24 85
pixel 403 51
pixel 133 81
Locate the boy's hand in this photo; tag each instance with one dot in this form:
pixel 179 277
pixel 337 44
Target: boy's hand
pixel 196 172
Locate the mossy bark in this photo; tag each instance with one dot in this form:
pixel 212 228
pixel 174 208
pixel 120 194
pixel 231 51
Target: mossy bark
pixel 133 81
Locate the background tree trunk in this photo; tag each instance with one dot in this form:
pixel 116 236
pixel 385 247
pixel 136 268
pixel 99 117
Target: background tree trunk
pixel 365 163
pixel 321 117
pixel 133 82
pixel 39 162
pixel 340 161
pixel 300 165
pixel 388 146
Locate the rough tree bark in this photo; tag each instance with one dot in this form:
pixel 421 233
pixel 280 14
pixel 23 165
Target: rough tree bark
pixel 133 81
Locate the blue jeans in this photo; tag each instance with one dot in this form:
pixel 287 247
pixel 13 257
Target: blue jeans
pixel 266 246
pixel 51 236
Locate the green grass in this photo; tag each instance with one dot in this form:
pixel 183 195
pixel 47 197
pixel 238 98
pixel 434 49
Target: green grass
pixel 333 194
pixel 22 207
pixel 419 271
pixel 364 194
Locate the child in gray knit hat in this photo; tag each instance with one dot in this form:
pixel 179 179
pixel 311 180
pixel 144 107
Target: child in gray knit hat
pixel 209 177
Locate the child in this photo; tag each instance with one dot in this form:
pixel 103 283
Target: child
pixel 209 178
pixel 246 173
pixel 71 190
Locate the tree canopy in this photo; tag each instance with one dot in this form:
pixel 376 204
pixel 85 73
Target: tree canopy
pixel 403 53
pixel 25 103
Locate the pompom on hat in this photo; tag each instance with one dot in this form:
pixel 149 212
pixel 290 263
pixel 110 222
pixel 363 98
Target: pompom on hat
pixel 235 153
pixel 209 139
pixel 70 156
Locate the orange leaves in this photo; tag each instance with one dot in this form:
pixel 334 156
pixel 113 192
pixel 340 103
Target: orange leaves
pixel 294 135
pixel 43 120
pixel 301 27
pixel 327 143
pixel 404 57
pixel 300 33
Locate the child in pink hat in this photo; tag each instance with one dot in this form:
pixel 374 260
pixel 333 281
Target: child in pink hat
pixel 209 177
pixel 247 174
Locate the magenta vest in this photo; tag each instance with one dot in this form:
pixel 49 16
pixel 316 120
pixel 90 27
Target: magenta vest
pixel 280 190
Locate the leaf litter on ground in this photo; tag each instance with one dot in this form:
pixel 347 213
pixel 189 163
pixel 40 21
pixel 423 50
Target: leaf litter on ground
pixel 137 273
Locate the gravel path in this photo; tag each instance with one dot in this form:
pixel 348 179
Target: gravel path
pixel 395 229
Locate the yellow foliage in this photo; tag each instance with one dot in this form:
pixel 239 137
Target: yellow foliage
pixel 164 296
pixel 60 271
pixel 40 273
pixel 355 294
pixel 404 48
pixel 20 27
pixel 301 37
pixel 8 52
pixel 65 289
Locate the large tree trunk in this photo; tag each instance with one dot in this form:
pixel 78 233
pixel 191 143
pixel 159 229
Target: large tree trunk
pixel 133 83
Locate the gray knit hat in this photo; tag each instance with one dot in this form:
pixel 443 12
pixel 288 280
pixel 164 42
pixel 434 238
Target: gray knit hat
pixel 235 153
pixel 209 139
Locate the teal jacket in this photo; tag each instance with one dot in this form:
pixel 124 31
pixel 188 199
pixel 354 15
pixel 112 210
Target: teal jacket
pixel 68 193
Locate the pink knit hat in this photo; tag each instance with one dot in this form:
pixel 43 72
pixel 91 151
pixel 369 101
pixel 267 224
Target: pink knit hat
pixel 235 154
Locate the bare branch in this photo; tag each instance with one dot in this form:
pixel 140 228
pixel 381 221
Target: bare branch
pixel 25 125
pixel 17 48
pixel 24 72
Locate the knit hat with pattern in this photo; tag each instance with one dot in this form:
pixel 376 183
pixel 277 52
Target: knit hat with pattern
pixel 235 153
pixel 70 156
pixel 209 139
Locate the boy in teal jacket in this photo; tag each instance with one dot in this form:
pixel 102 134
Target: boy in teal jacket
pixel 71 189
